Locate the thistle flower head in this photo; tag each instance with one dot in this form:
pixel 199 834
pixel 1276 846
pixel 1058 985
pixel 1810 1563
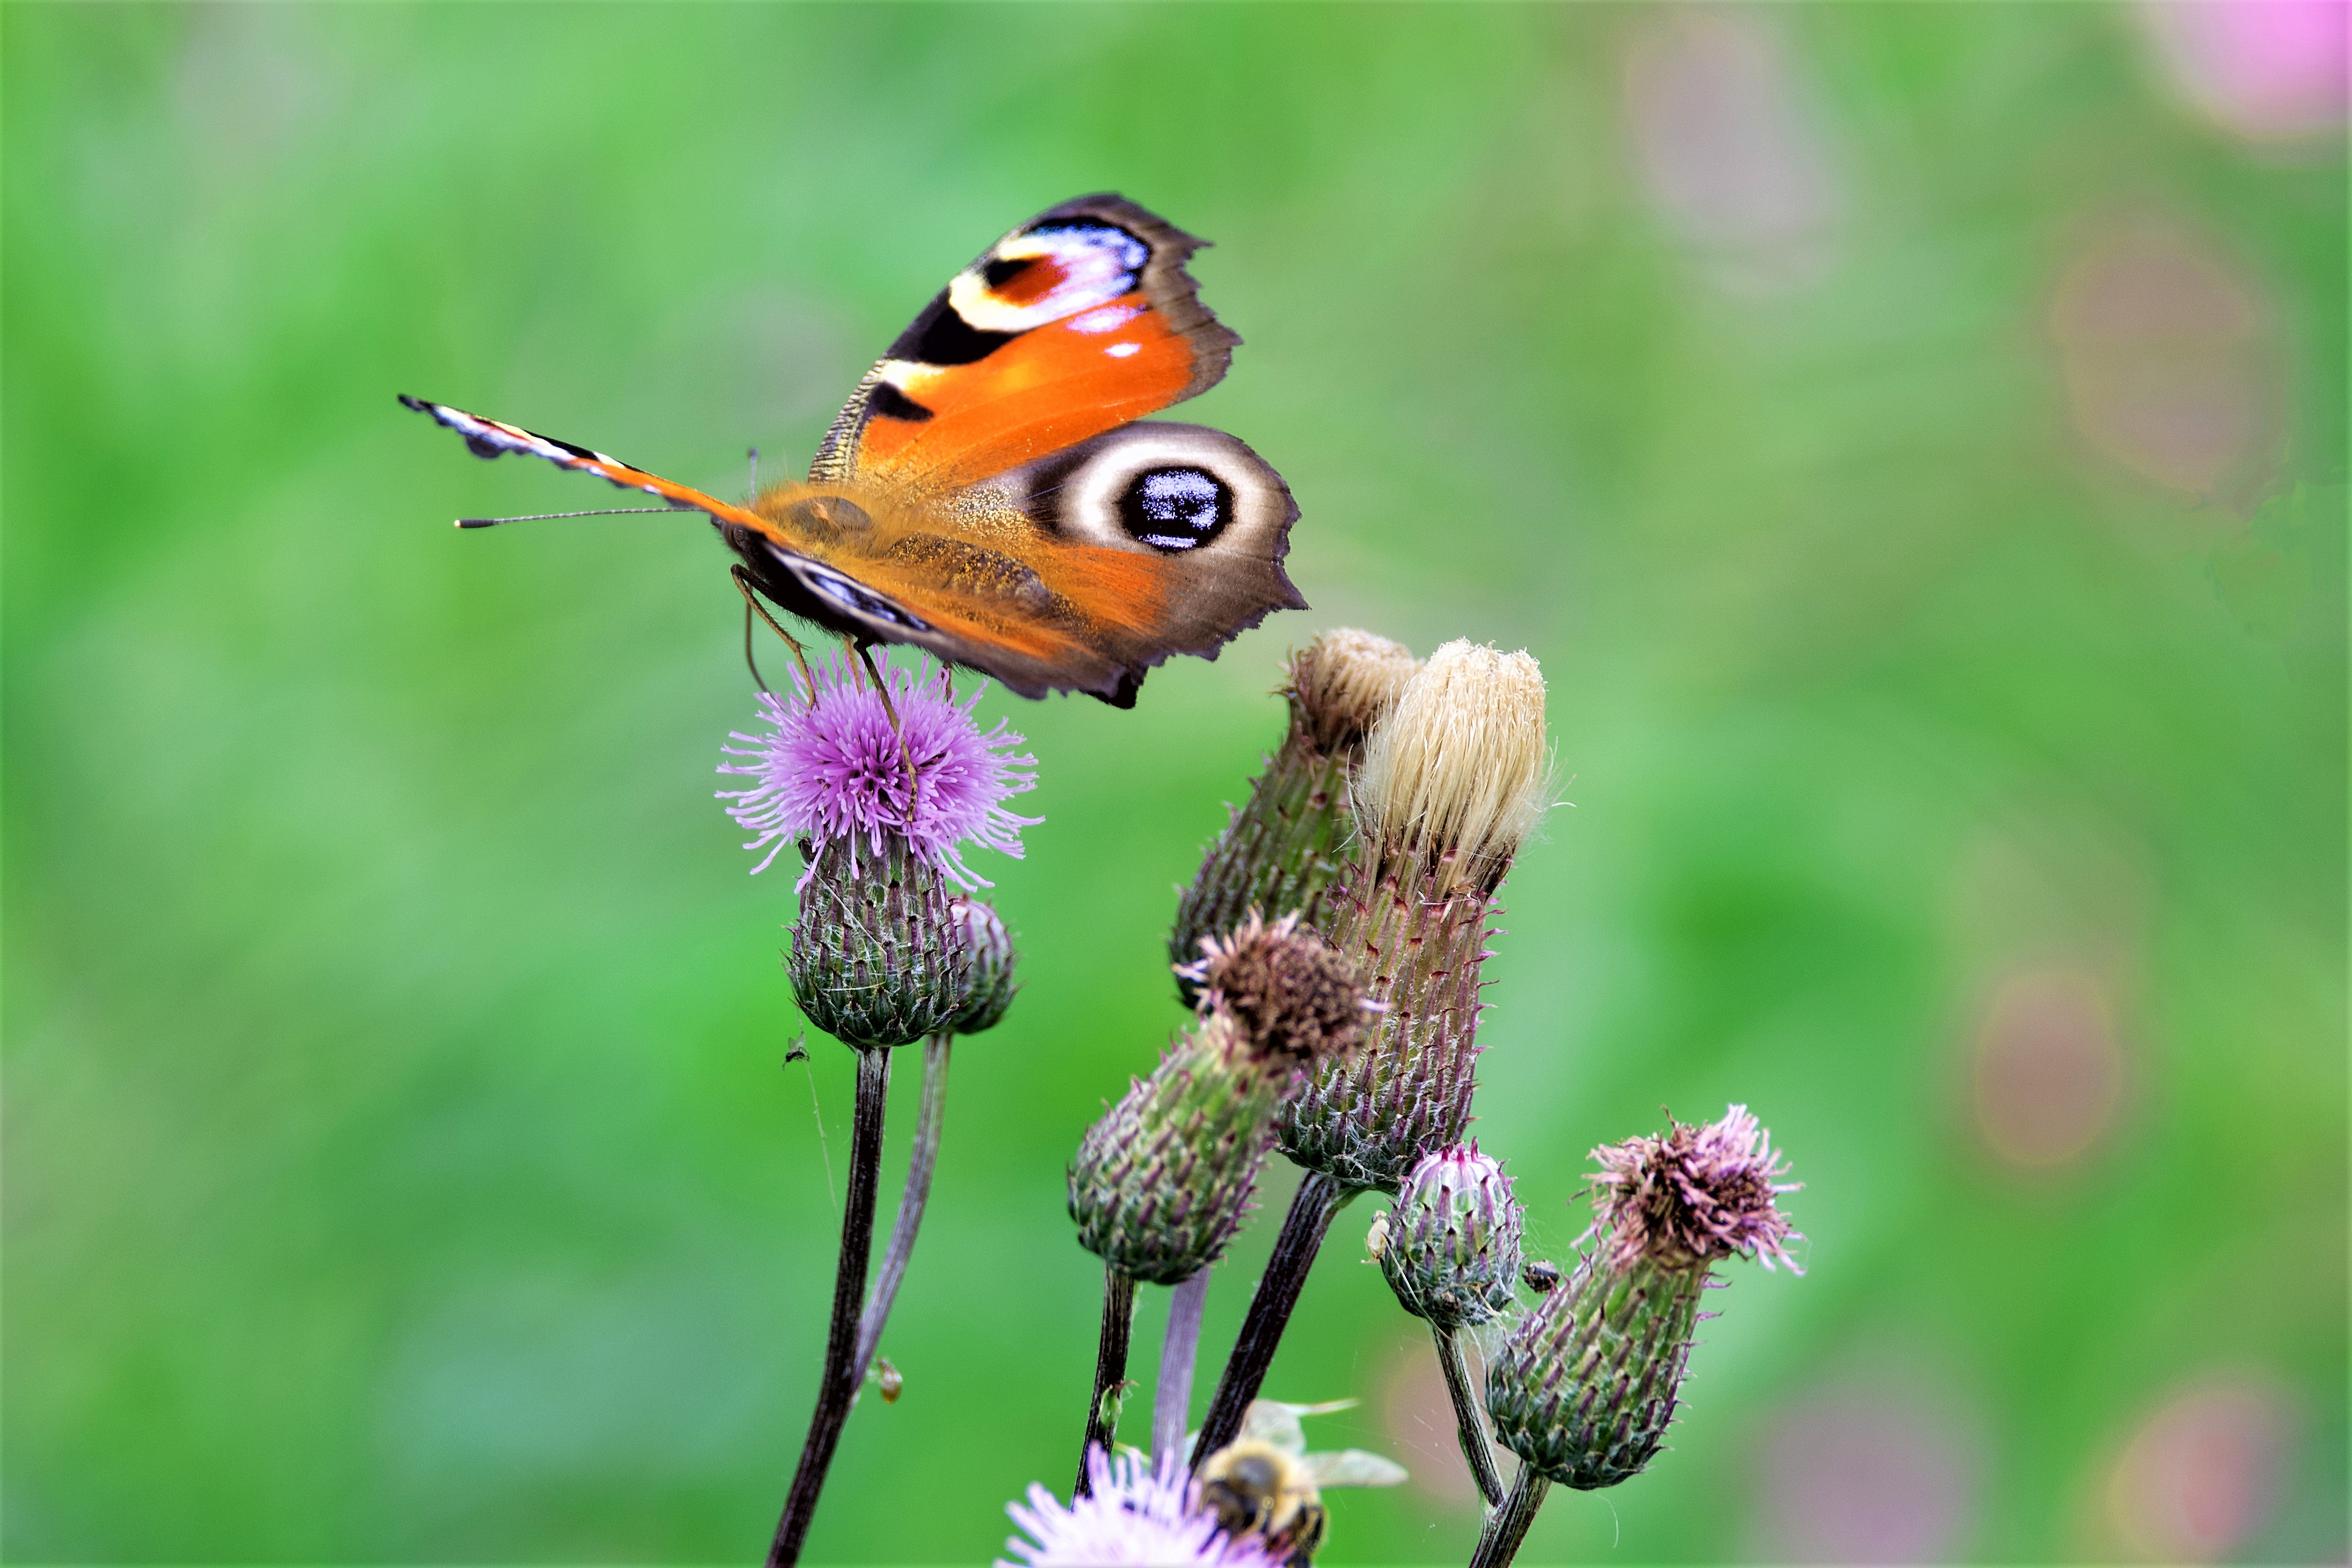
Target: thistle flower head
pixel 1459 764
pixel 1296 999
pixel 1341 683
pixel 1451 1250
pixel 1693 1196
pixel 1139 1514
pixel 830 767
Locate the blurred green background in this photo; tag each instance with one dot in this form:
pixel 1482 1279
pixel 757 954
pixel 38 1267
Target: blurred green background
pixel 1912 439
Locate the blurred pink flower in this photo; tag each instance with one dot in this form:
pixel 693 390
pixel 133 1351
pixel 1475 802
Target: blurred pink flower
pixel 2049 1069
pixel 1727 149
pixel 832 766
pixel 2264 69
pixel 2198 1478
pixel 2170 358
pixel 1876 1469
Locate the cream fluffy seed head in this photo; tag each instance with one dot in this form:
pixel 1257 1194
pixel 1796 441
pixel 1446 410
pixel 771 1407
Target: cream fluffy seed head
pixel 1460 762
pixel 1345 680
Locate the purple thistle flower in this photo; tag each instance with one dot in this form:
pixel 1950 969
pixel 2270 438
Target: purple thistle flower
pixel 1137 1515
pixel 831 766
pixel 1695 1195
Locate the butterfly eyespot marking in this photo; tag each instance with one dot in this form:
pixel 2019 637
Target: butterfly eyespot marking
pixel 1176 508
pixel 1042 275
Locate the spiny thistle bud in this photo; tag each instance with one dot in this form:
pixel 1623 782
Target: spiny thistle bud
pixel 991 949
pixel 1283 846
pixel 1164 1180
pixel 878 957
pixel 1451 1250
pixel 1584 1390
pixel 1453 782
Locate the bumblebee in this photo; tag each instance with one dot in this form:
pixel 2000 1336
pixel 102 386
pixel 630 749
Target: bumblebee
pixel 1255 1488
pixel 1264 1483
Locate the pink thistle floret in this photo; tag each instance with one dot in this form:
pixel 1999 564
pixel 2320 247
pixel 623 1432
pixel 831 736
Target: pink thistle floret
pixel 1693 1196
pixel 1140 1516
pixel 831 766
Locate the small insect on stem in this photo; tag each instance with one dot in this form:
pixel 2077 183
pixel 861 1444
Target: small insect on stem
pixel 888 1377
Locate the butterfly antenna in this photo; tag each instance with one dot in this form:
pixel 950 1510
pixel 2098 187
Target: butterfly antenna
pixel 542 517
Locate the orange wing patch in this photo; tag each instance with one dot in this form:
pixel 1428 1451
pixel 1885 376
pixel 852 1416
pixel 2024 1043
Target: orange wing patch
pixel 1049 388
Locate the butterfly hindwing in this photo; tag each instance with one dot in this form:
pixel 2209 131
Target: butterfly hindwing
pixel 1081 319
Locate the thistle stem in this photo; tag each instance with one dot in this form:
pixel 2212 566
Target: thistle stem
pixel 1319 1201
pixel 1110 1369
pixel 1508 1525
pixel 917 1193
pixel 1278 854
pixel 837 1386
pixel 1172 1402
pixel 1467 1417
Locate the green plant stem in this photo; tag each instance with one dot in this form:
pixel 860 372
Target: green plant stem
pixel 1319 1201
pixel 1110 1369
pixel 1508 1525
pixel 909 1221
pixel 1467 1419
pixel 838 1385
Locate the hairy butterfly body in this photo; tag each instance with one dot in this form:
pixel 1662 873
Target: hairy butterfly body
pixel 988 492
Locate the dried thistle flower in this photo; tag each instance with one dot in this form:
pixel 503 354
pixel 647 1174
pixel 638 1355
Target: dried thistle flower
pixel 1341 685
pixel 1284 843
pixel 1296 998
pixel 1451 782
pixel 1693 1196
pixel 1584 1391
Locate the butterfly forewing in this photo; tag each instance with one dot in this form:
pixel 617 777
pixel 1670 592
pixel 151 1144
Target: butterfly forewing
pixel 1077 321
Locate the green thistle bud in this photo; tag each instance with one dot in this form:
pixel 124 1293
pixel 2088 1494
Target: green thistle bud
pixel 991 970
pixel 1452 784
pixel 1585 1388
pixel 878 955
pixel 1164 1180
pixel 1286 842
pixel 1451 1250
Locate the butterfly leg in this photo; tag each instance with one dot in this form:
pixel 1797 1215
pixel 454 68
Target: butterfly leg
pixel 799 655
pixel 749 663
